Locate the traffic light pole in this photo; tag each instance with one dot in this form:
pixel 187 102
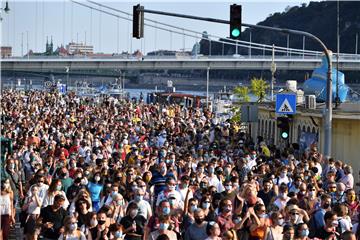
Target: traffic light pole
pixel 328 111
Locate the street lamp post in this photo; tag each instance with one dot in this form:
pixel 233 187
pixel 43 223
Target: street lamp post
pixel 273 70
pixel 207 87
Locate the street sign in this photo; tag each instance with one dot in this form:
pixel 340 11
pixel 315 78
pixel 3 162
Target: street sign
pixel 285 103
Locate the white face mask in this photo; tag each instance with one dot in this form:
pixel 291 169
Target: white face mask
pixel 93 222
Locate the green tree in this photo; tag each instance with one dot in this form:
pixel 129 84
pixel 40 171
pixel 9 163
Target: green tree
pixel 258 88
pixel 242 93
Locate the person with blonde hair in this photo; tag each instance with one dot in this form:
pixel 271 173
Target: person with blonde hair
pixel 71 231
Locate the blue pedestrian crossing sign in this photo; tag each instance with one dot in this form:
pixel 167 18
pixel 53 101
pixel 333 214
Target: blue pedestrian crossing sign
pixel 285 103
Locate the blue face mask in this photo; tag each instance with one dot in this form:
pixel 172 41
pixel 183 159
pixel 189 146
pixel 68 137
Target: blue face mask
pixel 193 208
pixel 164 226
pixel 118 234
pixel 205 205
pixel 166 211
pixel 138 198
pixel 305 233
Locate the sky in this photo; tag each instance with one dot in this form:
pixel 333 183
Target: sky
pixel 29 23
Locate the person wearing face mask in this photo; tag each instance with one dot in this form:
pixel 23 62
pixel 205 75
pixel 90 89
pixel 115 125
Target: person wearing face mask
pixel 32 207
pixel 259 222
pixel 15 178
pixel 213 180
pixel 90 223
pixel 116 232
pixel 296 215
pixel 266 193
pixel 133 223
pixel 101 231
pixel 158 179
pixel 276 228
pixel 40 183
pixel 282 178
pixel 55 189
pixel 317 220
pixel 144 206
pixel 71 231
pixel 170 190
pixel 224 219
pixel 229 190
pixel 74 188
pixel 117 208
pixel 197 230
pixel 329 230
pixel 164 229
pixel 339 196
pixel 352 203
pixel 282 198
pixel 66 181
pixel 189 211
pixel 200 172
pixel 302 232
pixel 95 187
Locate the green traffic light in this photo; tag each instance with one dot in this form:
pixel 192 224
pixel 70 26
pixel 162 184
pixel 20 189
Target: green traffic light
pixel 284 135
pixel 235 32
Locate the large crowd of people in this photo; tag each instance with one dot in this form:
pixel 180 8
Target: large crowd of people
pixel 74 168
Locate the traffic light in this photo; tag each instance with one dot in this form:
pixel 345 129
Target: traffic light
pixel 284 126
pixel 235 21
pixel 138 21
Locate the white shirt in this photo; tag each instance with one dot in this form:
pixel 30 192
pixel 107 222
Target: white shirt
pixel 214 181
pixel 49 200
pixel 5 204
pixel 164 195
pixel 280 203
pixel 78 235
pixel 41 193
pixel 144 208
pixel 348 180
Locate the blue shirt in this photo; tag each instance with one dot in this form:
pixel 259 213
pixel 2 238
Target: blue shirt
pixel 159 181
pixel 95 190
pixel 319 218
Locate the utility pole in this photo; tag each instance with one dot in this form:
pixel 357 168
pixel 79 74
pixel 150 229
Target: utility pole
pixel 207 87
pixel 273 70
pixel 337 100
pixel 27 43
pixel 22 44
pixel 356 43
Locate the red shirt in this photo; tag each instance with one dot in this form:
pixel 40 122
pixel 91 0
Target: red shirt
pixel 225 224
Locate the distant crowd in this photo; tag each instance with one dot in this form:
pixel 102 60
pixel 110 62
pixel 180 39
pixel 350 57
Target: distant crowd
pixel 75 168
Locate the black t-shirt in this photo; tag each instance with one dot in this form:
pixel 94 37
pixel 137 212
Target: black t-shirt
pixel 322 234
pixel 266 197
pixel 56 217
pixel 94 233
pixel 84 219
pixel 127 221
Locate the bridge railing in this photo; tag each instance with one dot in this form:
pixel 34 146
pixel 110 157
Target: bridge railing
pixel 349 57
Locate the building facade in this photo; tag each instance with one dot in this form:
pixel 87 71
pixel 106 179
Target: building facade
pixel 79 48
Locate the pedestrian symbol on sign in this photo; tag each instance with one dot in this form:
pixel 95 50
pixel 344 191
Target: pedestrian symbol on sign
pixel 285 107
pixel 285 103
